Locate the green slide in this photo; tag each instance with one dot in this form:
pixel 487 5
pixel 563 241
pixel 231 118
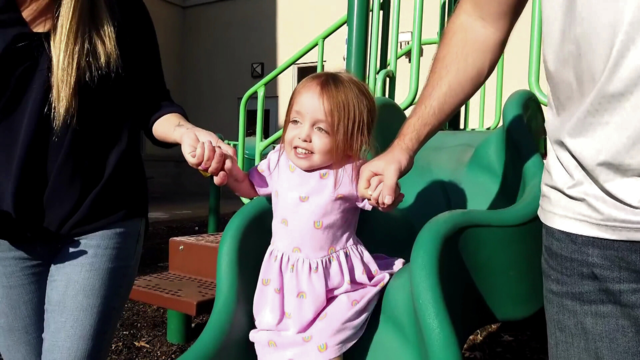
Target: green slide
pixel 468 228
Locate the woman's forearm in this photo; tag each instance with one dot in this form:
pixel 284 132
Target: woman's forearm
pixel 170 128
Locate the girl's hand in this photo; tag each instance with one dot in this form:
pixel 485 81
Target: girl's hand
pixel 375 194
pixel 230 171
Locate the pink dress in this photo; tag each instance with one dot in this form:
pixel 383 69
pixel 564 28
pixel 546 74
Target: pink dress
pixel 318 284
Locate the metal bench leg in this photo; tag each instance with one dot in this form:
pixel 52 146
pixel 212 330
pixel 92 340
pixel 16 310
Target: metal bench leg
pixel 178 327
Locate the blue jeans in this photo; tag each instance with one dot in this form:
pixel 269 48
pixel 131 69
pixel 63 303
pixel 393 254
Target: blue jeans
pixel 64 301
pixel 591 297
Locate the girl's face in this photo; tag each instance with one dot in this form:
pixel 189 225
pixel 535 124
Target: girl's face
pixel 308 139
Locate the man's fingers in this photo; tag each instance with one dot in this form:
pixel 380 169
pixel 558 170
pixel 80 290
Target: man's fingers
pixel 395 204
pixel 377 192
pixel 389 186
pixel 374 184
pixel 364 181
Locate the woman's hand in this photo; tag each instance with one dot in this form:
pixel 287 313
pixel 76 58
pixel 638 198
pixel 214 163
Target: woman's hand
pixel 202 149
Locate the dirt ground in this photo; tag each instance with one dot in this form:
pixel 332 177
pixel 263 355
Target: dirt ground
pixel 141 333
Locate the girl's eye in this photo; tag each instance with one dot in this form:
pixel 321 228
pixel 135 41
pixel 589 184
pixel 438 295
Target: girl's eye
pixel 321 130
pixel 294 121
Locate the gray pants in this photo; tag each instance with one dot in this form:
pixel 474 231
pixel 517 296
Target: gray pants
pixel 591 297
pixel 64 302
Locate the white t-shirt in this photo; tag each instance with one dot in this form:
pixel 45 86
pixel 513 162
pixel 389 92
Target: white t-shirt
pixel 591 182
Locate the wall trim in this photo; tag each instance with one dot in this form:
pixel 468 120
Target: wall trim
pixel 190 3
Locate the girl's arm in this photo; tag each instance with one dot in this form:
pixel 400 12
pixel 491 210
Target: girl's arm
pixel 237 180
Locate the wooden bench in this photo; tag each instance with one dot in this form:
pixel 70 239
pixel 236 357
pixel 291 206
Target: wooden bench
pixel 188 289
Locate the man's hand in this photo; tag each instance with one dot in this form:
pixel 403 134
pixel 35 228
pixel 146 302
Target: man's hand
pixel 377 183
pixel 389 167
pixel 479 27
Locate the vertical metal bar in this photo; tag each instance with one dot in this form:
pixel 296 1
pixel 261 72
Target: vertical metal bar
pixel 373 47
pixel 535 46
pixel 451 7
pixel 242 129
pixel 357 23
pixel 443 18
pixel 466 115
pixel 178 327
pixel 483 95
pixel 259 124
pixel 416 47
pixel 385 7
pixel 214 207
pixel 320 55
pixel 395 33
pixel 499 89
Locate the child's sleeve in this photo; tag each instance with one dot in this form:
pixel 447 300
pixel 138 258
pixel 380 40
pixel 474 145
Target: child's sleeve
pixel 262 175
pixel 364 204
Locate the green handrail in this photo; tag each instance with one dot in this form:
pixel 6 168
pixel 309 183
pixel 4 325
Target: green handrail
pixel 373 48
pixel 535 49
pixel 381 81
pixel 416 47
pixel 393 57
pixel 317 42
pixel 320 67
pixel 385 7
pixel 377 77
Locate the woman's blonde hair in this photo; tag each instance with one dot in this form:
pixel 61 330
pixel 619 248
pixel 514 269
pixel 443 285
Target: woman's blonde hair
pixel 83 46
pixel 351 111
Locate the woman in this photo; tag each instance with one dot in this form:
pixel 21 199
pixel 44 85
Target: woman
pixel 80 81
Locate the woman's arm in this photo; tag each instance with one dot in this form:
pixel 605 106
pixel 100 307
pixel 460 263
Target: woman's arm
pixel 198 145
pixel 164 122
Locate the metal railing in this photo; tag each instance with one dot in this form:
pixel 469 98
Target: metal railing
pixel 379 75
pixel 535 50
pixel 260 87
pixel 383 67
pixel 383 76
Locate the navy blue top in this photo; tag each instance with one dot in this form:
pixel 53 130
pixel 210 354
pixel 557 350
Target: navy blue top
pixel 91 174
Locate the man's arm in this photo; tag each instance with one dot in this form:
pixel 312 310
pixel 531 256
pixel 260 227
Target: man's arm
pixel 471 46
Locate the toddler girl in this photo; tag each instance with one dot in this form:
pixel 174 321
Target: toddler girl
pixel 318 284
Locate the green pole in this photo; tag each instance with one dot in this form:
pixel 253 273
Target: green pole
pixel 385 7
pixel 178 327
pixel 214 207
pixel 357 33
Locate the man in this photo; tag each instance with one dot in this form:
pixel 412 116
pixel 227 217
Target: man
pixel 590 203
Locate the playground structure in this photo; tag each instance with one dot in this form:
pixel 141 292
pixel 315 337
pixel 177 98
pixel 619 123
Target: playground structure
pixel 468 224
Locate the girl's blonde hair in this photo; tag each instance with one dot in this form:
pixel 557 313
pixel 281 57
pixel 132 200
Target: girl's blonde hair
pixel 83 45
pixel 351 111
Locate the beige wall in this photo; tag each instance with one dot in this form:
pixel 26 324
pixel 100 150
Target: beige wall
pixel 221 40
pixel 207 51
pixel 169 23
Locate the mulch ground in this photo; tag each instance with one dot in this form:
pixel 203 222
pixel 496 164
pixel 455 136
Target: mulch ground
pixel 141 333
